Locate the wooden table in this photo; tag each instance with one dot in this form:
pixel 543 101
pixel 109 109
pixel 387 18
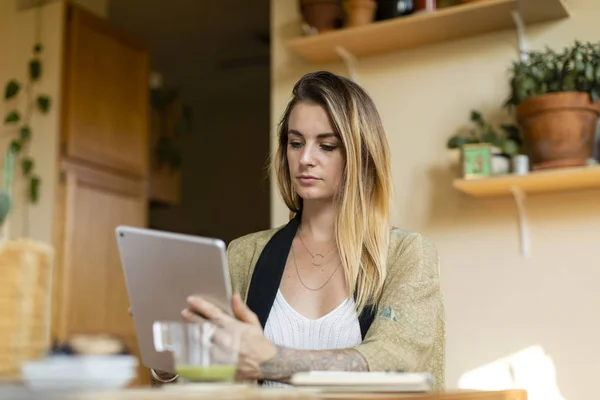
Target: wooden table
pixel 184 392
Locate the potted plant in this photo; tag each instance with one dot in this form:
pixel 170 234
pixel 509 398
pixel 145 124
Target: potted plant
pixel 360 12
pixel 504 142
pixel 26 264
pixel 555 99
pixel 323 15
pixel 170 121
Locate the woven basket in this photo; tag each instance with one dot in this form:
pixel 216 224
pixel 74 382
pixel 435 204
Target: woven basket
pixel 25 310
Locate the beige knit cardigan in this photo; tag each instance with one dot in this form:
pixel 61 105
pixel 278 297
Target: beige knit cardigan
pixel 408 331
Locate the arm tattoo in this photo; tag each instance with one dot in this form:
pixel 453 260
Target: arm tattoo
pixel 289 361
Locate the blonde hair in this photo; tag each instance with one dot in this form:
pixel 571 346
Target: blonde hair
pixel 362 226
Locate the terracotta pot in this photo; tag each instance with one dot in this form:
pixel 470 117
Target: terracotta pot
pixel 361 12
pixel 558 128
pixel 323 15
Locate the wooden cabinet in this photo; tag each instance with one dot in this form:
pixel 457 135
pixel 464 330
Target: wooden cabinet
pixel 106 96
pixel 103 176
pixel 91 296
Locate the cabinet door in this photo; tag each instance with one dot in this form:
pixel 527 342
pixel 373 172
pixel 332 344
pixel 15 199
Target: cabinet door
pixel 90 293
pixel 106 95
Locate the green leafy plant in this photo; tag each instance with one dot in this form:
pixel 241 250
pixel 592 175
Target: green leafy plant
pixel 17 122
pixel 168 151
pixel 507 139
pixel 575 68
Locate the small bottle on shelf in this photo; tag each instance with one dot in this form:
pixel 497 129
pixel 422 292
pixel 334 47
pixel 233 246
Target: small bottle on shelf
pixel 425 5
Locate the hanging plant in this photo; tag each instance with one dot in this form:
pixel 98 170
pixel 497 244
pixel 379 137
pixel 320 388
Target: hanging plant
pixel 17 123
pixel 168 151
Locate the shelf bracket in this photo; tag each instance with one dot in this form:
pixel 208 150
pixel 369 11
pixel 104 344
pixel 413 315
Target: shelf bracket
pixel 521 36
pixel 349 60
pixel 520 200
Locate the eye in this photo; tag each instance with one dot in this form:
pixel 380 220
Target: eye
pixel 328 147
pixel 295 144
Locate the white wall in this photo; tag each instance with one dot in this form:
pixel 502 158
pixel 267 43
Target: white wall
pixel 17 37
pixel 498 304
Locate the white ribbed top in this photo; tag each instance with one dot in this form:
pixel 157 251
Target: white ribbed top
pixel 338 329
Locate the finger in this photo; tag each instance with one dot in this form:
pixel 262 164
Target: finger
pixel 205 308
pixel 189 316
pixel 243 312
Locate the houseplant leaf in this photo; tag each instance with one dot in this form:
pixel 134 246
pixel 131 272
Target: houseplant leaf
pixel 12 117
pixel 510 147
pixel 512 132
pixel 35 69
pixel 34 189
pixel 25 133
pixel 15 146
pixel 490 136
pixel 456 142
pixel 575 68
pixel 43 103
pixel 589 71
pixel 477 118
pixel 27 165
pixel 12 89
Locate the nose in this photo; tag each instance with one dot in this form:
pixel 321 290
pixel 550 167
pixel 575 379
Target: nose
pixel 307 158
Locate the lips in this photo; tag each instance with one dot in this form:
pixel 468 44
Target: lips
pixel 307 179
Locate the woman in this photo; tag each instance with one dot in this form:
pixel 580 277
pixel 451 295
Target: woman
pixel 336 288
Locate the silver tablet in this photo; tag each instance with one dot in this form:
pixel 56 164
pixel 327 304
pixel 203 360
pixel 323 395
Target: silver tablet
pixel 161 269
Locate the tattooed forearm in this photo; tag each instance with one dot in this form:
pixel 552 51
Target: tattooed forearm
pixel 289 361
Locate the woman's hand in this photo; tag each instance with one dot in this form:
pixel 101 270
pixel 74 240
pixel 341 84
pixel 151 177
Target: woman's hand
pixel 255 348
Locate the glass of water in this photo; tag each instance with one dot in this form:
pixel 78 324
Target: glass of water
pixel 202 351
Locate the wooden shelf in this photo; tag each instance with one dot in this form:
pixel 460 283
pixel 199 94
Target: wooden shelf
pixel 426 28
pixel 558 180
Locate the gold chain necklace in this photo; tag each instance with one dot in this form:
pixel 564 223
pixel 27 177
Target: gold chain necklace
pixel 300 278
pixel 316 256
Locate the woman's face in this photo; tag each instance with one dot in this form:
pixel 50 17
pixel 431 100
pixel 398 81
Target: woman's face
pixel 315 153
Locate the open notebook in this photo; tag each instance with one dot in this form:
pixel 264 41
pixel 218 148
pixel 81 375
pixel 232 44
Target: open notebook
pixel 364 381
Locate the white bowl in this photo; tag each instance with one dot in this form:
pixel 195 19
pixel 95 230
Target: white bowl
pixel 79 372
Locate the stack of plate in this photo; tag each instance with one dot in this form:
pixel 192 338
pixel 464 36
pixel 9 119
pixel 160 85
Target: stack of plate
pixel 79 372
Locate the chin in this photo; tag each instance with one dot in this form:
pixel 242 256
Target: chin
pixel 313 194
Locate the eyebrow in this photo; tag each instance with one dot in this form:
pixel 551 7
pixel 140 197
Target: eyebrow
pixel 320 135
